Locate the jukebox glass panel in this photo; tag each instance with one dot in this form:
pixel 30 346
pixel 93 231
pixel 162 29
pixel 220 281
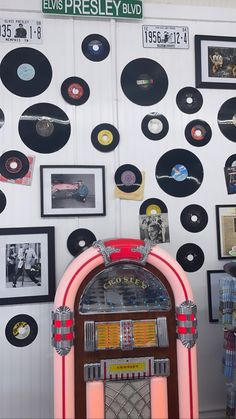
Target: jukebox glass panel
pixel 124 287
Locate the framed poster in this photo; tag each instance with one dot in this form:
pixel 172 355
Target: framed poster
pixel 226 231
pixel 215 62
pixel 27 265
pixel 72 191
pixel 213 287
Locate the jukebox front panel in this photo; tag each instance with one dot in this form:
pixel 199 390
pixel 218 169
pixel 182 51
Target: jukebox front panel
pixel 125 337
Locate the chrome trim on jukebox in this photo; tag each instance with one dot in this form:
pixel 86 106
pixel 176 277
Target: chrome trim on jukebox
pixel 162 332
pixel 89 336
pixel 186 323
pixel 126 335
pixel 62 330
pixel 144 251
pixel 106 251
pixel 127 369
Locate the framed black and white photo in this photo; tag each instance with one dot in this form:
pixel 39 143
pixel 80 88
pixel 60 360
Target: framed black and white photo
pixel 215 61
pixel 226 231
pixel 72 191
pixel 27 268
pixel 213 287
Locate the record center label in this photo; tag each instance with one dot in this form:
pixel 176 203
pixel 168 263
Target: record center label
pixel 104 8
pixel 175 37
pixel 21 31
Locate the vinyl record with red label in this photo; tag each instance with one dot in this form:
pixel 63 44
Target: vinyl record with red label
pixel 144 81
pixel 198 133
pixel 189 100
pixel 44 128
pixel 128 178
pixel 105 137
pixel 25 72
pixel 191 257
pixel 155 126
pixel 13 164
pixel 179 172
pixel 79 240
pixel 75 91
pixel 95 47
pixel 21 330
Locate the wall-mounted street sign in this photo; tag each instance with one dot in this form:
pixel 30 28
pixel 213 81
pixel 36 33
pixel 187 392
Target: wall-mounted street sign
pixel 131 9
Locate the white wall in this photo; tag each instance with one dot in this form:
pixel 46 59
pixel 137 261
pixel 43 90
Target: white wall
pixel 26 384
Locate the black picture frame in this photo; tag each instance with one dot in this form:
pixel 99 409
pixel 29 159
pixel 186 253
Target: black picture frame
pixel 215 62
pixel 213 289
pixel 27 265
pixel 62 195
pixel 226 231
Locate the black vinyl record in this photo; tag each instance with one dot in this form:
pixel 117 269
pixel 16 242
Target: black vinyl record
pixel 190 256
pixel 231 161
pixel 75 91
pixel 95 47
pixel 128 178
pixel 144 81
pixel 152 206
pixel 198 133
pixel 2 118
pixel 44 128
pixel 179 172
pixel 13 164
pixel 79 240
pixel 3 201
pixel 189 100
pixel 21 330
pixel 105 137
pixel 194 218
pixel 25 72
pixel 227 119
pixel 155 126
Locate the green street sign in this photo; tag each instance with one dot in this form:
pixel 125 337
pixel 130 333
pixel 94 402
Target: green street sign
pixel 113 9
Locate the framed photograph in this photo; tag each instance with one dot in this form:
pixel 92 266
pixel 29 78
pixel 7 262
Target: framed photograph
pixel 226 231
pixel 72 191
pixel 27 268
pixel 215 61
pixel 213 288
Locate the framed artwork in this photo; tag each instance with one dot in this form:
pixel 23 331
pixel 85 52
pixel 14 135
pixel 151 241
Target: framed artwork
pixel 226 231
pixel 213 288
pixel 72 191
pixel 215 61
pixel 27 265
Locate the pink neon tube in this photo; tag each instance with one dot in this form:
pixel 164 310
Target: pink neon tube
pixel 95 400
pixel 159 398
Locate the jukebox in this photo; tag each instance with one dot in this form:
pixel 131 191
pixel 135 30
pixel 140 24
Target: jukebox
pixel 124 332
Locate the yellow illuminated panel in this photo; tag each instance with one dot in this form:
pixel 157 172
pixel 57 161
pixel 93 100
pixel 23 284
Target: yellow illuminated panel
pixel 144 333
pixel 108 335
pixel 127 367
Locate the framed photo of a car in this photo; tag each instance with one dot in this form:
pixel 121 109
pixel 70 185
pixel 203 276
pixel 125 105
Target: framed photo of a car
pixel 215 61
pixel 72 191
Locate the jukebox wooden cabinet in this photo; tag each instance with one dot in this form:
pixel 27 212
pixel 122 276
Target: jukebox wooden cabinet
pixel 124 332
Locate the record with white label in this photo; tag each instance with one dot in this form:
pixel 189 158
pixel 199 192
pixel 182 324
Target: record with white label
pixel 231 161
pixel 144 81
pixel 44 128
pixel 189 100
pixel 155 126
pixel 75 91
pixel 194 218
pixel 95 47
pixel 21 330
pixel 14 164
pixel 25 72
pixel 179 172
pixel 79 240
pixel 190 256
pixel 227 119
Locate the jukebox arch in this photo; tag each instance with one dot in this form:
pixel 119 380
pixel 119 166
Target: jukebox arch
pixel 124 332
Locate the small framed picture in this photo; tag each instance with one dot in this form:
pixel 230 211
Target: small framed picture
pixel 213 287
pixel 226 231
pixel 215 61
pixel 72 191
pixel 28 265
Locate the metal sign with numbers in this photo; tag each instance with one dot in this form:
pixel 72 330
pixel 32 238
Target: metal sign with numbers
pixel 21 31
pixel 165 37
